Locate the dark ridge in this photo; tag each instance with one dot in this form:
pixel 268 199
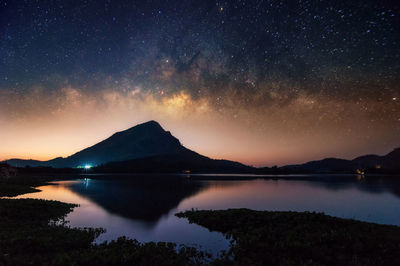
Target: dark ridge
pixel 146 147
pixel 367 163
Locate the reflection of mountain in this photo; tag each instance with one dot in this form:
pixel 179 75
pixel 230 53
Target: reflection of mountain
pixel 372 185
pixel 147 198
pixel 143 198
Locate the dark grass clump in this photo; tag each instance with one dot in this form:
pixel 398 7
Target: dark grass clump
pixel 294 238
pixel 33 232
pixel 131 252
pixel 12 190
pixel 20 185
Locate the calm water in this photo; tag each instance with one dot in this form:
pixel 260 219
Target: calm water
pixel 143 207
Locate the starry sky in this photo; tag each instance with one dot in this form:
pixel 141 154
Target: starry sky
pixel 261 82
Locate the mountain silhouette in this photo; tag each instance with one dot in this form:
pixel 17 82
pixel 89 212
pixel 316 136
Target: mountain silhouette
pixel 376 162
pixel 185 160
pixel 147 139
pixel 145 147
pixel 148 148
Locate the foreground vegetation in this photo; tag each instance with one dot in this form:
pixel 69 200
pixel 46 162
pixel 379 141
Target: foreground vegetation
pixel 33 232
pixel 29 233
pixel 11 190
pixel 19 185
pixel 293 238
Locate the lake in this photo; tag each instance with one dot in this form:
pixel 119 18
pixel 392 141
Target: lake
pixel 143 206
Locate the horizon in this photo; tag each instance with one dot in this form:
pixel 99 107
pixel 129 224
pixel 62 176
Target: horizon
pixel 136 132
pixel 258 166
pixel 272 84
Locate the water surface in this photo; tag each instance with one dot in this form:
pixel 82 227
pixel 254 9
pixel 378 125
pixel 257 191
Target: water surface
pixel 143 207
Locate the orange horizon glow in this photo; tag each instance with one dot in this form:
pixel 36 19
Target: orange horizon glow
pixel 63 124
pixel 258 84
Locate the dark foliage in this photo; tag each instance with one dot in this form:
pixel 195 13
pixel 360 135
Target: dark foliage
pixel 11 190
pixel 32 232
pixel 20 185
pixel 131 252
pixel 292 238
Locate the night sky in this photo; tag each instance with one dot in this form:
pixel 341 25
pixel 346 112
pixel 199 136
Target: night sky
pixel 261 82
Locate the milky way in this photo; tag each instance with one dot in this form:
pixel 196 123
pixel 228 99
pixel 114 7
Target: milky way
pixel 262 82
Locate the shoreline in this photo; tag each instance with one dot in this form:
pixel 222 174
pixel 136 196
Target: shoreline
pixel 355 235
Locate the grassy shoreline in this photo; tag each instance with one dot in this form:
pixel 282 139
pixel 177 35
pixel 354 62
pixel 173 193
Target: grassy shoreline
pixel 299 238
pixel 34 232
pixel 19 185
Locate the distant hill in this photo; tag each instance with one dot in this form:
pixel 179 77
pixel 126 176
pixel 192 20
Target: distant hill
pixel 148 147
pixel 174 163
pixel 145 147
pixel 374 163
pixel 23 163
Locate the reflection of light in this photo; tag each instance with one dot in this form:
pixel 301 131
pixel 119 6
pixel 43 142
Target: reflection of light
pixel 360 172
pixel 86 182
pixel 87 166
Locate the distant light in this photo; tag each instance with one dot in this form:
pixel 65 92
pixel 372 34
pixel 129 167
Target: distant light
pixel 87 166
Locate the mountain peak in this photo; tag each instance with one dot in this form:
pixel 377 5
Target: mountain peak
pixel 151 125
pixel 150 129
pixel 143 140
